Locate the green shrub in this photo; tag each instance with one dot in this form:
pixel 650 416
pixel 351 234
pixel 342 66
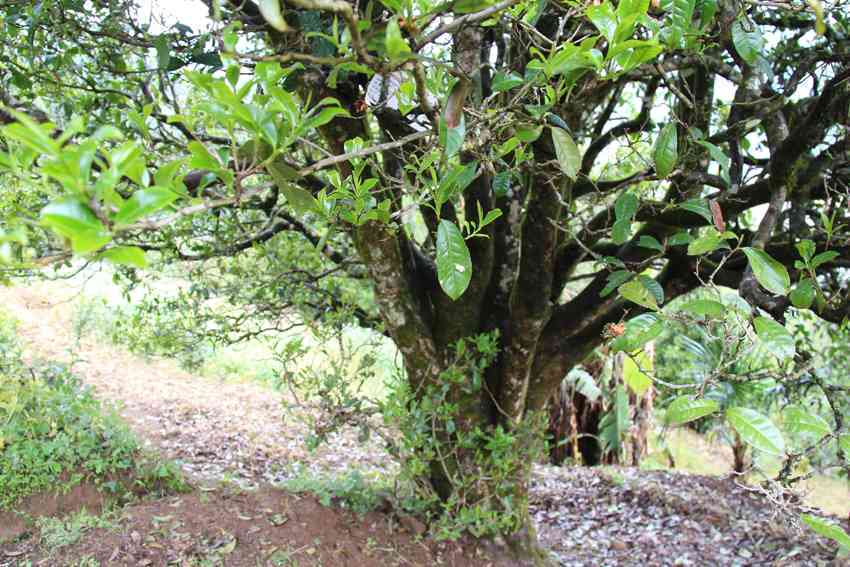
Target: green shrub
pixel 55 433
pixel 350 490
pixel 56 533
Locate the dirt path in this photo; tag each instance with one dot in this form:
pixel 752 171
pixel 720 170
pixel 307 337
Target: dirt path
pixel 214 428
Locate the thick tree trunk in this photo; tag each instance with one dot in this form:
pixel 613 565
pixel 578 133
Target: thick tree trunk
pixel 471 466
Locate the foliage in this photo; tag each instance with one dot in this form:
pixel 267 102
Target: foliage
pixel 774 383
pixel 480 465
pixel 829 530
pixel 350 490
pixel 371 170
pixel 56 533
pixel 156 327
pixel 337 381
pixel 54 433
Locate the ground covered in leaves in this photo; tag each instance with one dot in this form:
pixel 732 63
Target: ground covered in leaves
pixel 619 516
pixel 248 528
pixel 234 440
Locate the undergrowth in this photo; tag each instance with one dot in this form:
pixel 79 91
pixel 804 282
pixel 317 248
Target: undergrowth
pixel 54 434
pixel 56 533
pixel 351 490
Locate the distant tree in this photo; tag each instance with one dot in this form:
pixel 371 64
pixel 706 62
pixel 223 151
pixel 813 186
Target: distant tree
pixel 466 161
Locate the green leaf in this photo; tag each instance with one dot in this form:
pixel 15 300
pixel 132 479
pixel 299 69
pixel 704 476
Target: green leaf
pixel 625 29
pixel 666 152
pixel 143 203
pixel 413 220
pixel 569 157
pixel 799 420
pixel 621 405
pixel 806 248
pixel 396 45
pixel 471 6
pixel 232 74
pixel 704 307
pixel 639 331
pixel 770 274
pixel 636 292
pixel 625 206
pixel 621 232
pixel 817 8
pixel 455 182
pixel 681 14
pixel 653 286
pixel 615 422
pixel 201 157
pixel 74 220
pixel 680 238
pixel 634 55
pixel 393 5
pixel 324 116
pixel 127 256
pixel 271 12
pixel 505 82
pixel 707 10
pixel 748 44
pixel 454 265
pixel 775 337
pixel 300 199
pixel 827 530
pixel 501 183
pixel 706 244
pixel 803 294
pixel 651 242
pixel 70 217
pixel 86 242
pixel 165 175
pixel 209 58
pixel 634 377
pixel 844 444
pixel 128 159
pixel 490 217
pixel 823 258
pixel 452 138
pixel 685 409
pixel 31 134
pixel 615 279
pixel 602 16
pixel 627 8
pixel 163 51
pixel 756 430
pixel 698 206
pixel 507 147
pixel 584 384
pixel 528 133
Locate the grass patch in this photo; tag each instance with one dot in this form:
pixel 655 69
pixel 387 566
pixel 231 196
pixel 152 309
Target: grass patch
pixel 691 452
pixel 56 533
pixel 351 490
